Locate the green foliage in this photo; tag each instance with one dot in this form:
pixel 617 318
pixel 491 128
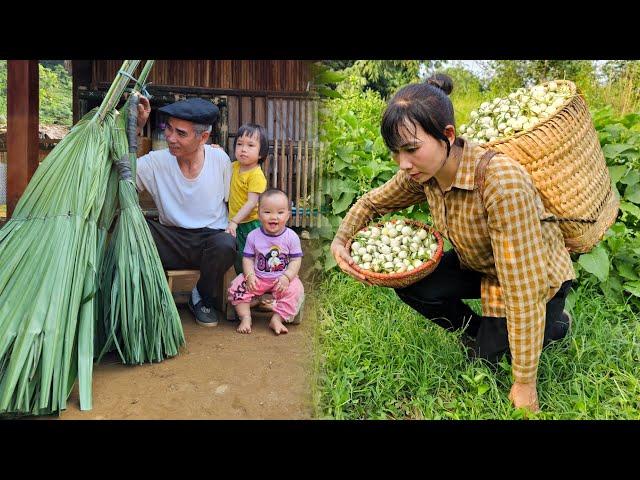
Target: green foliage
pixel 382 360
pixel 468 92
pixel 3 92
pixel 509 75
pixel 354 156
pixel 387 76
pixel 621 86
pixel 55 95
pixel 614 265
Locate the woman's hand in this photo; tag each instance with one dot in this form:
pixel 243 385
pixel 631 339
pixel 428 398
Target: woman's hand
pixel 524 395
pixel 345 261
pixel 231 228
pixel 144 109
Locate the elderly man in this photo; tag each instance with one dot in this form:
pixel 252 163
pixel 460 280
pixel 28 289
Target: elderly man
pixel 189 182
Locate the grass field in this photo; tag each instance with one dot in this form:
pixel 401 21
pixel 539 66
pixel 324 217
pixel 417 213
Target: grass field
pixel 378 359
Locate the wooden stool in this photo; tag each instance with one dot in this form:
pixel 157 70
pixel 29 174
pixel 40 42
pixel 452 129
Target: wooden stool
pixel 189 279
pixel 259 310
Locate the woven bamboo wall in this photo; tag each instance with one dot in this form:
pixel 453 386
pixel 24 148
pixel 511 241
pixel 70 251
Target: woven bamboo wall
pixel 257 75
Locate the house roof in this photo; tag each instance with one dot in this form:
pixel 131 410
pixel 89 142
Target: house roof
pixel 49 135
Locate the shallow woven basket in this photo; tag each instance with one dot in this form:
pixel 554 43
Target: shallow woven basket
pixel 401 280
pixel 563 155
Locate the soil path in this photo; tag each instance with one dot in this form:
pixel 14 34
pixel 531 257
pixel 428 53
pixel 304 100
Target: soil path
pixel 220 374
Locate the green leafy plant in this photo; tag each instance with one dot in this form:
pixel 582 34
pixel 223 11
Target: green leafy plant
pixel 614 265
pixel 354 155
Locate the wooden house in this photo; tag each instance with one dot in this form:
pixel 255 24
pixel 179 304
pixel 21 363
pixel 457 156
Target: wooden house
pixel 274 93
pixel 277 94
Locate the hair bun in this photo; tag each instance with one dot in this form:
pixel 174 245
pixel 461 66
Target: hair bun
pixel 442 81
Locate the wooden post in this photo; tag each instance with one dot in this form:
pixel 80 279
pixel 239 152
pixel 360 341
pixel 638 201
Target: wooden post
pixel 81 77
pixel 22 127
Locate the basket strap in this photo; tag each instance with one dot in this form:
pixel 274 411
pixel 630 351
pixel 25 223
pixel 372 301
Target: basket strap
pixel 481 170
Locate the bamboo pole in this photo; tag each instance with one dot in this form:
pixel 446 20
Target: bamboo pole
pixel 275 142
pixel 267 160
pixel 316 150
pixel 305 173
pixel 312 197
pixel 319 191
pixel 298 160
pixel 282 165
pixel 290 173
pixel 283 150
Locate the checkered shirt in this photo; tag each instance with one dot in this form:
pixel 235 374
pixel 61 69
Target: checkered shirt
pixel 524 260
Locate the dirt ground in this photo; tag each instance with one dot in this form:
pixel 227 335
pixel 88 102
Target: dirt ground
pixel 220 374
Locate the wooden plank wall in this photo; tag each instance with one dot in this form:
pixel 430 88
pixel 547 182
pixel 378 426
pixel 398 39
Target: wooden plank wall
pixel 257 75
pixel 293 162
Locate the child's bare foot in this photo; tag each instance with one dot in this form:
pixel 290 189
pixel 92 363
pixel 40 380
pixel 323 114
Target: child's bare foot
pixel 245 325
pixel 276 325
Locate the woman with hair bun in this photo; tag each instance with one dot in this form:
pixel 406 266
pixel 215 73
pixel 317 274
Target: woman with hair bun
pixel 505 251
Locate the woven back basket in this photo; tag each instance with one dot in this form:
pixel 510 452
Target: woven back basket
pixel 563 156
pixel 404 279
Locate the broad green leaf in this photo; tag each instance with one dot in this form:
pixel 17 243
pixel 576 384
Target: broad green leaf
pixel 627 271
pixel 351 119
pixel 631 178
pixel 339 164
pixel 482 389
pixel 344 185
pixel 596 263
pixel 618 228
pixel 367 171
pixel 633 288
pixel 345 153
pixel 612 150
pixel 632 193
pixel 343 203
pixel 617 171
pixel 329 76
pixel 612 289
pixel 614 130
pixel 330 262
pixel 630 119
pixel 421 217
pixel 630 208
pixel 328 92
pixel 335 220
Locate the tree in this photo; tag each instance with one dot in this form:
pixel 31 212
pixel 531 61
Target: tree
pixel 3 92
pixel 55 94
pixel 511 74
pixel 387 76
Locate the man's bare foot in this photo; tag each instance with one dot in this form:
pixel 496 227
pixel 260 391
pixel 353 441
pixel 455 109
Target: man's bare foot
pixel 245 325
pixel 276 325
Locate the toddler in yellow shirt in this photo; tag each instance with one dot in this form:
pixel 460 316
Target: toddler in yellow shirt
pixel 247 183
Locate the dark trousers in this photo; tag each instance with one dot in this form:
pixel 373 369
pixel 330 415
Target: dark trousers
pixel 209 250
pixel 439 298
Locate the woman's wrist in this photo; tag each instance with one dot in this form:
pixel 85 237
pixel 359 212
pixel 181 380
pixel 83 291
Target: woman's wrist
pixel 233 221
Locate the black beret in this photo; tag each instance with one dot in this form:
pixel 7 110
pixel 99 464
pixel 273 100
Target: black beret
pixel 197 110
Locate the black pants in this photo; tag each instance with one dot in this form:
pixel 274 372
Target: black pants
pixel 211 251
pixel 439 298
